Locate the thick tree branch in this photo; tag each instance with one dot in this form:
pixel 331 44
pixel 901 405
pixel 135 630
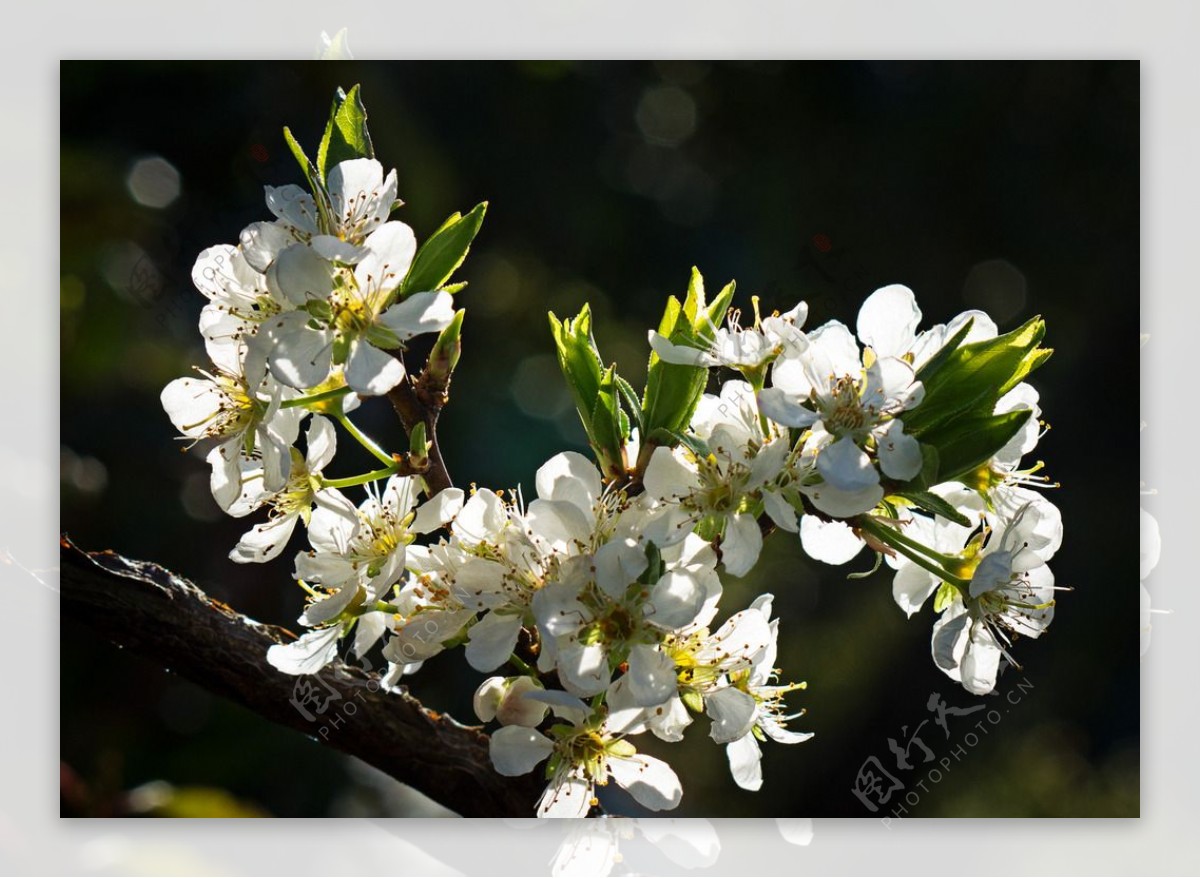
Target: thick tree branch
pixel 155 613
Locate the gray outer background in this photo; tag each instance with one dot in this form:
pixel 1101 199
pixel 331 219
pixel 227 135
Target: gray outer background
pixel 1164 840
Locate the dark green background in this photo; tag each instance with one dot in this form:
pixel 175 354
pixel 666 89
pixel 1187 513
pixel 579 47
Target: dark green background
pixel 1009 186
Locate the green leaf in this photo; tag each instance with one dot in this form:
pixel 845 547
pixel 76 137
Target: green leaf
pixel 578 359
pixel 935 505
pixel 606 432
pixel 441 255
pixel 593 388
pixel 967 443
pixel 969 380
pixel 934 363
pixel 630 399
pixel 670 438
pixel 346 135
pixel 306 165
pixel 673 391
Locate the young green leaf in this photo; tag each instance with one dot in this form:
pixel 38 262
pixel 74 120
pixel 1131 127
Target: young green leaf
pixel 969 380
pixel 966 443
pixel 306 165
pixel 346 135
pixel 673 391
pixel 935 505
pixel 441 255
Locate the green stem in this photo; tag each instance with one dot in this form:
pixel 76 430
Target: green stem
pixel 351 481
pixel 944 560
pixel 365 441
pixel 900 544
pixel 521 666
pixel 314 398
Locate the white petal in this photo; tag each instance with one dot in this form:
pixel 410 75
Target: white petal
pixel 681 355
pixel 298 275
pixel 516 750
pixel 899 453
pixel 307 655
pixel 336 250
pixel 358 193
pixel 329 608
pixel 912 587
pixel 618 564
pixel 675 600
pixel 557 525
pixel 370 371
pixel 745 763
pixel 492 641
pixel 833 542
pixel 651 676
pixel 668 721
pixel 390 251
pixel 780 510
pixel 558 610
pixel 264 541
pixel 844 504
pixel 367 631
pixel 569 795
pixel 321 443
pixel 949 640
pixel 584 670
pixel 300 356
pixel 981 662
pixel 482 518
pixel 438 510
pixel 419 313
pixel 226 479
pixel 782 409
pixel 650 781
pixel 570 477
pixel 667 477
pixel 564 705
pixel 262 242
pixel 334 521
pixel 888 320
pixel 832 352
pixel 189 403
pixel 846 467
pixel 732 712
pixel 325 568
pixel 741 544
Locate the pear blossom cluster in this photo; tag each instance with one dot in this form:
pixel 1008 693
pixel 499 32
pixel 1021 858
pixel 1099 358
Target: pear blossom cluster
pixel 818 445
pixel 592 609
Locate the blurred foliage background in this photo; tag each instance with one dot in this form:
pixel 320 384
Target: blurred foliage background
pixel 1007 186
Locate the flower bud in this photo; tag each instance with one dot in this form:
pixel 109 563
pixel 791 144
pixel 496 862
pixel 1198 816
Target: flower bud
pixel 488 697
pixel 502 699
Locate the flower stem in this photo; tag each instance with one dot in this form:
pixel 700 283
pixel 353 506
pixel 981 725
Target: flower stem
pixel 365 441
pixel 944 560
pixel 314 398
pixel 351 481
pixel 521 666
pixel 909 549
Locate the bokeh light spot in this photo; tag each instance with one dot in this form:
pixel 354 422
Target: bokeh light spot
pixel 153 182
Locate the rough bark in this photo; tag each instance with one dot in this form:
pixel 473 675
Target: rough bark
pixel 151 611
